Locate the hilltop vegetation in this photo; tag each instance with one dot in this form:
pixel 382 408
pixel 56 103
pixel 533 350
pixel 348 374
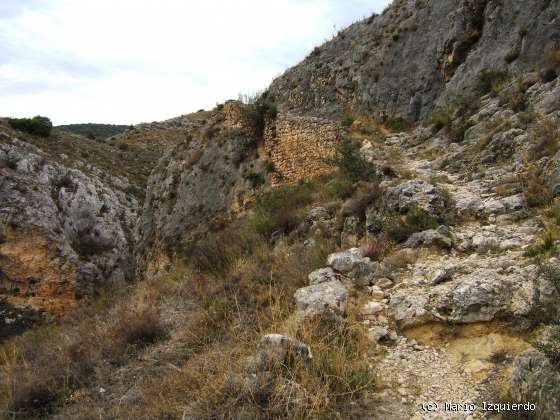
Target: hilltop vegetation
pixel 39 126
pixel 95 131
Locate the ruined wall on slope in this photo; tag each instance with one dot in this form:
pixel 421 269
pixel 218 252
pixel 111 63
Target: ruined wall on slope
pixel 298 147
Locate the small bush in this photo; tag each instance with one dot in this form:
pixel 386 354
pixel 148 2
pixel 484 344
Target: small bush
pixel 400 227
pixel 545 246
pixel 39 126
pixel 551 348
pixel 491 81
pixel 398 124
pixel 278 210
pixel 351 163
pixel 536 191
pixel 441 118
pixel 259 109
pixel 256 179
pixel 377 249
pixel 552 70
pixel 544 139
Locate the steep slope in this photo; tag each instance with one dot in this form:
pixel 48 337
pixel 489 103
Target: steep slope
pixel 418 54
pixel 66 223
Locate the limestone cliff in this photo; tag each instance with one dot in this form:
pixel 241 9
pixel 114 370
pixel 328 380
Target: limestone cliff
pixel 66 227
pixel 418 54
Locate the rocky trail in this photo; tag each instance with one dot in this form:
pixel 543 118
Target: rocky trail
pixel 439 363
pixel 441 317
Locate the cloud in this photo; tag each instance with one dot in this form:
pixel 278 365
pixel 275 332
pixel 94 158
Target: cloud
pixel 10 8
pixel 129 61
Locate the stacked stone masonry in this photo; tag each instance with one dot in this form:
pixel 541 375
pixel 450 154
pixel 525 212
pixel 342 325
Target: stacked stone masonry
pixel 236 116
pixel 299 147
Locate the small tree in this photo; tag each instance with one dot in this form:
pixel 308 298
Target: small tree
pixel 39 126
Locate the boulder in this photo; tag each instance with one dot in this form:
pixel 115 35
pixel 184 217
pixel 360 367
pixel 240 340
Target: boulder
pixel 401 197
pixel 321 298
pixel 323 275
pixel 431 238
pixel 347 261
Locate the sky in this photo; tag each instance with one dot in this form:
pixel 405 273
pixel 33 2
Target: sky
pixel 132 61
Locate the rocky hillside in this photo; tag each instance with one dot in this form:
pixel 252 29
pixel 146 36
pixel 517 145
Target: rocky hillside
pixel 66 224
pixel 417 55
pixel 379 231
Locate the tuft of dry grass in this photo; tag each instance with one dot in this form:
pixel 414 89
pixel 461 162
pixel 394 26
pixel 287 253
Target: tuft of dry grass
pixel 544 139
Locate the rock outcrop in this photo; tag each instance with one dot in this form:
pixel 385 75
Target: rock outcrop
pixel 418 54
pixel 200 181
pixel 66 232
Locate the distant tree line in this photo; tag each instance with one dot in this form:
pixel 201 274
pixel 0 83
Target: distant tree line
pixel 95 131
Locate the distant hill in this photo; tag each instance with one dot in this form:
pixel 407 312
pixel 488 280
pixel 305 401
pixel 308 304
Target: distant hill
pixel 97 131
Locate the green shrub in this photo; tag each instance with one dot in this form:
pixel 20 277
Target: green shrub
pixel 545 245
pixel 259 109
pixel 256 179
pixel 351 164
pixel 398 124
pixel 400 227
pixel 277 210
pixel 441 118
pixel 491 81
pixel 39 126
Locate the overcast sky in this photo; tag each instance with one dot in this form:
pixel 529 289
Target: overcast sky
pixel 131 61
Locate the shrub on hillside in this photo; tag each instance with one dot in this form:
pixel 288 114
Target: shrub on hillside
pixel 351 163
pixel 39 126
pixel 491 81
pixel 544 139
pixel 278 210
pixel 400 227
pixel 259 109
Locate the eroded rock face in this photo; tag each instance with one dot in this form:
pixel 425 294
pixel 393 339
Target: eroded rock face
pixel 66 232
pixel 480 296
pixel 199 182
pixel 415 56
pixel 414 192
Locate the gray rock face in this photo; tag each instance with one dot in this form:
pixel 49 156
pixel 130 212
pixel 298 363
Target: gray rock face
pixel 431 238
pixel 194 184
pixel 480 296
pixel 534 379
pixel 413 57
pixel 417 192
pixel 320 299
pixel 67 231
pixel 346 261
pixel 323 275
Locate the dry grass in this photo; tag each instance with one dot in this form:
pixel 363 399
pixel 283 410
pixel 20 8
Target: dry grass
pixel 544 139
pixel 246 294
pixel 42 368
pixel 536 191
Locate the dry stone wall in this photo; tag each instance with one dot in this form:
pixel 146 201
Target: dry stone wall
pixel 236 116
pixel 298 147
